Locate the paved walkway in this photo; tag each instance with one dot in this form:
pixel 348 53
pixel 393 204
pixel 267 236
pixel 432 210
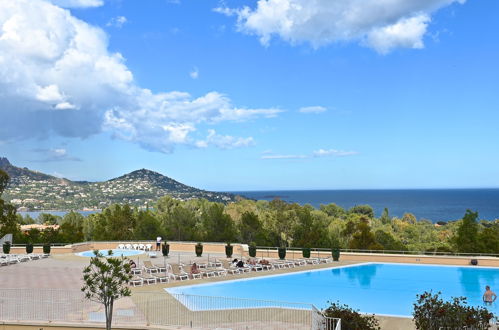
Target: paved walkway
pixel 65 272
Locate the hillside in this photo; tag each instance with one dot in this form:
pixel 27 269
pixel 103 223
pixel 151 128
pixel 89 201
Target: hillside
pixel 31 190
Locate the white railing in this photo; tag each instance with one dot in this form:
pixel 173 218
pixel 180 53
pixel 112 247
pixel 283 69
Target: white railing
pixel 162 309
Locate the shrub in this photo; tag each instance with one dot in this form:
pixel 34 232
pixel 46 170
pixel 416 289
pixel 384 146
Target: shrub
pixel 229 249
pixel 199 249
pixel 6 247
pixel 432 313
pixel 306 252
pixel 281 252
pixel 335 252
pixel 46 248
pixel 252 250
pixel 165 249
pixel 29 248
pixel 351 319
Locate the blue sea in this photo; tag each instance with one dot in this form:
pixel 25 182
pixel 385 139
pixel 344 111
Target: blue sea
pixel 430 204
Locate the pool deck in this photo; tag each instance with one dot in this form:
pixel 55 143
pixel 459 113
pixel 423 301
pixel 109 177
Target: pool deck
pixel 64 271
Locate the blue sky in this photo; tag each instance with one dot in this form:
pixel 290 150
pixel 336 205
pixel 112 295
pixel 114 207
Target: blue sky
pixel 250 95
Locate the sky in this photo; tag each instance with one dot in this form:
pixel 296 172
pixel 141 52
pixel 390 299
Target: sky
pixel 240 95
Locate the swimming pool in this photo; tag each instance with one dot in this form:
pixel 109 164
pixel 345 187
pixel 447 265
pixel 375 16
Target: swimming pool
pixel 379 288
pixel 116 253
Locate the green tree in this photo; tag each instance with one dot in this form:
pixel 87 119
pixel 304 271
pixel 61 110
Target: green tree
pixel 148 227
pixel 218 226
pixel 105 280
pixel 250 228
pixel 489 239
pixel 467 234
pixel 388 241
pixel 363 238
pixel 181 224
pixel 333 210
pixel 8 218
pixel 309 232
pixel 71 229
pixel 363 210
pixel 385 217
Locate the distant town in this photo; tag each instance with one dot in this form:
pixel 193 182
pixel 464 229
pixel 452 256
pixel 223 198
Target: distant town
pixel 32 191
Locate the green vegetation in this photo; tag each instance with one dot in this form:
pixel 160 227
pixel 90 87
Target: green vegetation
pixel 37 191
pixel 351 319
pixel 261 223
pixel 105 280
pixel 433 313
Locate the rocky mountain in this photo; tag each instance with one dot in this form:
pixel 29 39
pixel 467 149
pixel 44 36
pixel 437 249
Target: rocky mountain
pixel 32 190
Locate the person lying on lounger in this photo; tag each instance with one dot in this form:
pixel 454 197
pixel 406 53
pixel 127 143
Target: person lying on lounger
pixel 194 269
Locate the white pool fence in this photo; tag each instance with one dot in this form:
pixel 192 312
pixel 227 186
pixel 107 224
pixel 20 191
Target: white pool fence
pixel 161 309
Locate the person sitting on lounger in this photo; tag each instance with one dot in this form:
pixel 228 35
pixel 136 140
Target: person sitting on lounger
pixel 194 269
pixel 489 296
pixel 264 262
pixel 234 262
pixel 132 264
pixel 240 264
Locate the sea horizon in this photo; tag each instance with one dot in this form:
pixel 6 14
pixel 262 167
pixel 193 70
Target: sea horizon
pixel 433 204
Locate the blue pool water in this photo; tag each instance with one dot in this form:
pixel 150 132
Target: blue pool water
pixel 116 253
pixel 379 288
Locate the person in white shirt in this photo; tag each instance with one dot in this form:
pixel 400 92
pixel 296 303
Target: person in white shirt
pixel 158 243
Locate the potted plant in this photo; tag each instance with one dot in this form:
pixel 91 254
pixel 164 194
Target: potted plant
pixel 6 247
pixel 281 252
pixel 306 252
pixel 252 250
pixel 229 249
pixel 29 248
pixel 46 248
pixel 335 252
pixel 165 249
pixel 199 249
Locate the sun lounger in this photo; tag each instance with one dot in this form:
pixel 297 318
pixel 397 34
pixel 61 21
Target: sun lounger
pixel 4 262
pixel 128 246
pixel 148 278
pixel 136 281
pixel 197 275
pixel 161 268
pixel 141 247
pixel 135 246
pixel 215 263
pixel 136 271
pixel 256 267
pixel 325 260
pixel 121 246
pixel 161 278
pixel 148 247
pixel 177 272
pixel 208 273
pixel 312 261
pixel 149 267
pixel 299 262
pixel 230 268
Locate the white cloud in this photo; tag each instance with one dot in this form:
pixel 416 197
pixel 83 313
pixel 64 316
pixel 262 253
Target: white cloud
pixel 380 24
pixel 333 152
pixel 317 153
pixel 224 141
pixel 54 155
pixel 284 157
pixel 57 76
pixel 117 22
pixel 312 109
pixel 77 3
pixel 194 73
